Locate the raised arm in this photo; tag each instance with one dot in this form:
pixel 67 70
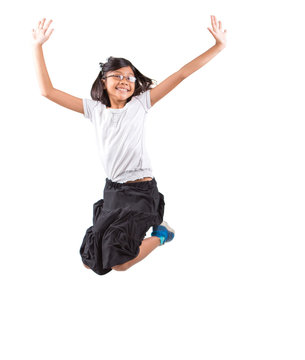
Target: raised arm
pixel 172 81
pixel 40 36
pixel 198 62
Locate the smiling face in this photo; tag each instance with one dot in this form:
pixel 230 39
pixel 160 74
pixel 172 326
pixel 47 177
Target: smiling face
pixel 119 90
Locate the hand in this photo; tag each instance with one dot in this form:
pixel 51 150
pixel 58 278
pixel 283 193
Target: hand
pixel 39 35
pixel 219 35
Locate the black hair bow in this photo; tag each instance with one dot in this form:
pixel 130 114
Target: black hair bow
pixel 102 65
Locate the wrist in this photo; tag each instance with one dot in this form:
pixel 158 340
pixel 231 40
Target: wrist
pixel 220 46
pixel 36 44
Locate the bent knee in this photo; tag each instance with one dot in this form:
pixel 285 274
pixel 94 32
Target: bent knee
pixel 121 267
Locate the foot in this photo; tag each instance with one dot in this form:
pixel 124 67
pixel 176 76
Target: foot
pixel 164 232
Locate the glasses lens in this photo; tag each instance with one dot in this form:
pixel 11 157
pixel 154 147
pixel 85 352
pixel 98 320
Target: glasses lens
pixel 121 77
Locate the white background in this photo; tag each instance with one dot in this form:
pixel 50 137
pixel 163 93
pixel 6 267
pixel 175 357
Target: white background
pixel 227 149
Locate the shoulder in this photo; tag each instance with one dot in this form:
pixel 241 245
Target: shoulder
pixel 92 103
pixel 92 106
pixel 143 99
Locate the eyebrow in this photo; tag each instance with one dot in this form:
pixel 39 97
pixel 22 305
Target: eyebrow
pixel 122 73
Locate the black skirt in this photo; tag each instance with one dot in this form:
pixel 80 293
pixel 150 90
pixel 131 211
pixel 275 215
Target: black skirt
pixel 120 222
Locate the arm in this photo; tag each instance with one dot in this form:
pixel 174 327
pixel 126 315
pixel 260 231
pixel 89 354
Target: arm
pixel 172 81
pixel 204 58
pixel 165 87
pixel 46 87
pixel 201 60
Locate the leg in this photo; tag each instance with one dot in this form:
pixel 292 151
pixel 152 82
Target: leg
pixel 147 246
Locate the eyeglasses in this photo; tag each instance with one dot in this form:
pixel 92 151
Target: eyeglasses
pixel 121 77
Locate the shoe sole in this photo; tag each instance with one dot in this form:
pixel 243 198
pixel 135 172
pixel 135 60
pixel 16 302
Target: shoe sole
pixel 165 224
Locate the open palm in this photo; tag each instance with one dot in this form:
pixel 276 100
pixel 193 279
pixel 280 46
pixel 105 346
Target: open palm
pixel 40 34
pixel 218 34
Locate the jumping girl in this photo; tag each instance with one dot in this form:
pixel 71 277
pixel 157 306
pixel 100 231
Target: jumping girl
pixel 131 203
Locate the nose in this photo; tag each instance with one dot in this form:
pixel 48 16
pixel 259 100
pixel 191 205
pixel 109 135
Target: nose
pixel 125 83
pixel 125 80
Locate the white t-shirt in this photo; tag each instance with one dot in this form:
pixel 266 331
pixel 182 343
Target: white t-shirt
pixel 120 136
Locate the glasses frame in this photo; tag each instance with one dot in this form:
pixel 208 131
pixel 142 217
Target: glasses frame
pixel 121 77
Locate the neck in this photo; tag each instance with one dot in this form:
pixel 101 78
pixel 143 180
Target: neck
pixel 117 104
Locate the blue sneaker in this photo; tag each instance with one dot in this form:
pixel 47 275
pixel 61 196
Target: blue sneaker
pixel 164 232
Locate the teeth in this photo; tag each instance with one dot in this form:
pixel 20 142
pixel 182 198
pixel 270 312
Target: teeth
pixel 122 89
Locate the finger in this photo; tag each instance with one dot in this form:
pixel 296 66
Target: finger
pixel 211 31
pixel 220 25
pixel 49 34
pixel 42 23
pixel 48 24
pixel 214 23
pixel 212 20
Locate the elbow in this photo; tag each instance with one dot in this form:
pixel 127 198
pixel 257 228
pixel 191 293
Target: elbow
pixel 182 74
pixel 46 92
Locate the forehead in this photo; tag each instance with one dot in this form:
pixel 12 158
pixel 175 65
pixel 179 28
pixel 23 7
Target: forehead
pixel 124 71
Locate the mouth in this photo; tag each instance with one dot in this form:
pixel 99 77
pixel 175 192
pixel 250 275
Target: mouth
pixel 122 90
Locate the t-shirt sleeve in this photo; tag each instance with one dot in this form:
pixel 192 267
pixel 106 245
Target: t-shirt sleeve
pixel 144 99
pixel 89 107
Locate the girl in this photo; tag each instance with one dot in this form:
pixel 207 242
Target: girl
pixel 131 203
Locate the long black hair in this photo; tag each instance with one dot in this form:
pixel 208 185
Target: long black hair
pixel 142 83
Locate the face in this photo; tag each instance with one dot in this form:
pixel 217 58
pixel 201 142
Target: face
pixel 119 90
